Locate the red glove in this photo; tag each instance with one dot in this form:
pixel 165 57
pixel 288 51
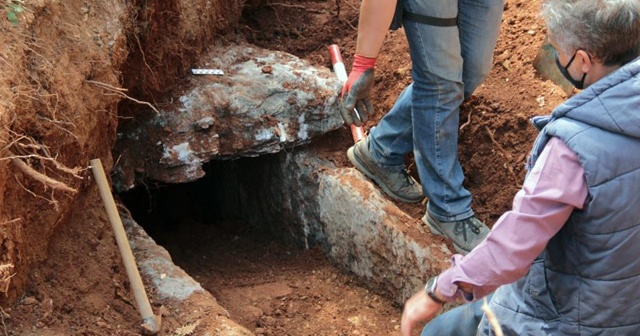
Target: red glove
pixel 355 92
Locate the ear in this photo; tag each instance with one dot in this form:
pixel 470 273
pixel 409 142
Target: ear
pixel 586 62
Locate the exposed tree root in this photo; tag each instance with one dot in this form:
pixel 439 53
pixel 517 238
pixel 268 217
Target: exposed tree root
pixel 26 169
pixel 468 121
pixel 51 201
pixel 294 6
pixel 493 140
pixel 6 273
pixel 4 326
pixel 504 153
pixel 120 92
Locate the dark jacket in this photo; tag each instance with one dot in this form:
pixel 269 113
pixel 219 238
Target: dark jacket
pixel 587 281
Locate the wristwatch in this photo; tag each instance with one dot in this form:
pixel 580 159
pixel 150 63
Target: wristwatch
pixel 430 288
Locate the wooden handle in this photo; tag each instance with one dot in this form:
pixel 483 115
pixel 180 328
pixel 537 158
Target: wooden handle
pixel 142 301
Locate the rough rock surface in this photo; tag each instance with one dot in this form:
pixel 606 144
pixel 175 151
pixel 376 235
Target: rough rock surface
pixel 369 236
pixel 308 201
pixel 182 297
pixel 265 101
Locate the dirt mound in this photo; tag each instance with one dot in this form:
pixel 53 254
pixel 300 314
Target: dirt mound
pixel 57 114
pixel 61 82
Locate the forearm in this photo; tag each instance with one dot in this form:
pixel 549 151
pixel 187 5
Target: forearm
pixel 551 192
pixel 505 256
pixel 375 18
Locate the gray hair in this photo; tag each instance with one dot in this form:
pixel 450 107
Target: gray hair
pixel 607 29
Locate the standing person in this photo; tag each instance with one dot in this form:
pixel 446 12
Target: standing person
pixel 451 43
pixel 564 260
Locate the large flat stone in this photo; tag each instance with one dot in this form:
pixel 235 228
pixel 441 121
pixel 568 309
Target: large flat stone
pixel 265 101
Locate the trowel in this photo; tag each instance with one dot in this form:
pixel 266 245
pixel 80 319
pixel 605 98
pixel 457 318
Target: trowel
pixel 545 64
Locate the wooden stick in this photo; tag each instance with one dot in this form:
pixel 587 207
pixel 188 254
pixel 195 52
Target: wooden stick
pixel 150 321
pixel 493 321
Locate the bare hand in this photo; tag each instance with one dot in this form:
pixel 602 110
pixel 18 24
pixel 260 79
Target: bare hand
pixel 420 307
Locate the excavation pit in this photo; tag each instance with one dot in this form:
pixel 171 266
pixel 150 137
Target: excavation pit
pixel 267 282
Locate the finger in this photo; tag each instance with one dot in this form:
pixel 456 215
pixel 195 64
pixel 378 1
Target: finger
pixel 356 120
pixel 359 112
pixel 346 116
pixel 348 104
pixel 368 108
pixel 345 88
pixel 356 116
pixel 362 109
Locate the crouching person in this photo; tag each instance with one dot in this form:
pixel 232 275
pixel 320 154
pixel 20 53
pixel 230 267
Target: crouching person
pixel 564 260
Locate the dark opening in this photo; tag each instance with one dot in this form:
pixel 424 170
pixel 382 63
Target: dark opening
pixel 268 284
pixel 213 200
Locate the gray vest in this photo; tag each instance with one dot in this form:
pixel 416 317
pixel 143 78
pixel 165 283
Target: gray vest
pixel 587 281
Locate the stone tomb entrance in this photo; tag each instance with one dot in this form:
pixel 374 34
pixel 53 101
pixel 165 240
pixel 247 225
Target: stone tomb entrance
pixel 270 238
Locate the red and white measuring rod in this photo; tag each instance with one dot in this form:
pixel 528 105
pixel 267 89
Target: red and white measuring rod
pixel 357 133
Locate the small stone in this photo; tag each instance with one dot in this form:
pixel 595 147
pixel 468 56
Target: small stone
pixel 403 71
pixel 503 56
pixel 29 301
pixel 204 123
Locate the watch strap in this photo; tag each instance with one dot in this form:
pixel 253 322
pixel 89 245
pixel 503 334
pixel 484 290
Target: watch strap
pixel 430 288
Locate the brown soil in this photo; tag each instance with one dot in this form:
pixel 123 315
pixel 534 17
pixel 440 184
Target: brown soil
pixel 274 289
pixel 79 287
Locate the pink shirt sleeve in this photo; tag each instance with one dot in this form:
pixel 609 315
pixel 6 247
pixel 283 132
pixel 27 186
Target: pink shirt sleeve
pixel 552 190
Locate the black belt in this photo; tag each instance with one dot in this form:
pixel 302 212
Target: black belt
pixel 430 20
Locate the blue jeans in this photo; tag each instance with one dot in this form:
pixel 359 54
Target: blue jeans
pixel 461 321
pixel 448 63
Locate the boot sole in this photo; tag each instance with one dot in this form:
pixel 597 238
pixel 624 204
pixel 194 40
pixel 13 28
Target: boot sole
pixel 436 231
pixel 365 170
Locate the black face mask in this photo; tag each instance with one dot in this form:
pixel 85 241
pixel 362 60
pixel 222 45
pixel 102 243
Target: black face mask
pixel 579 84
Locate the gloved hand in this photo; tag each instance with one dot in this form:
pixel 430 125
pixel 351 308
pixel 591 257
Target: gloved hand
pixel 355 92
